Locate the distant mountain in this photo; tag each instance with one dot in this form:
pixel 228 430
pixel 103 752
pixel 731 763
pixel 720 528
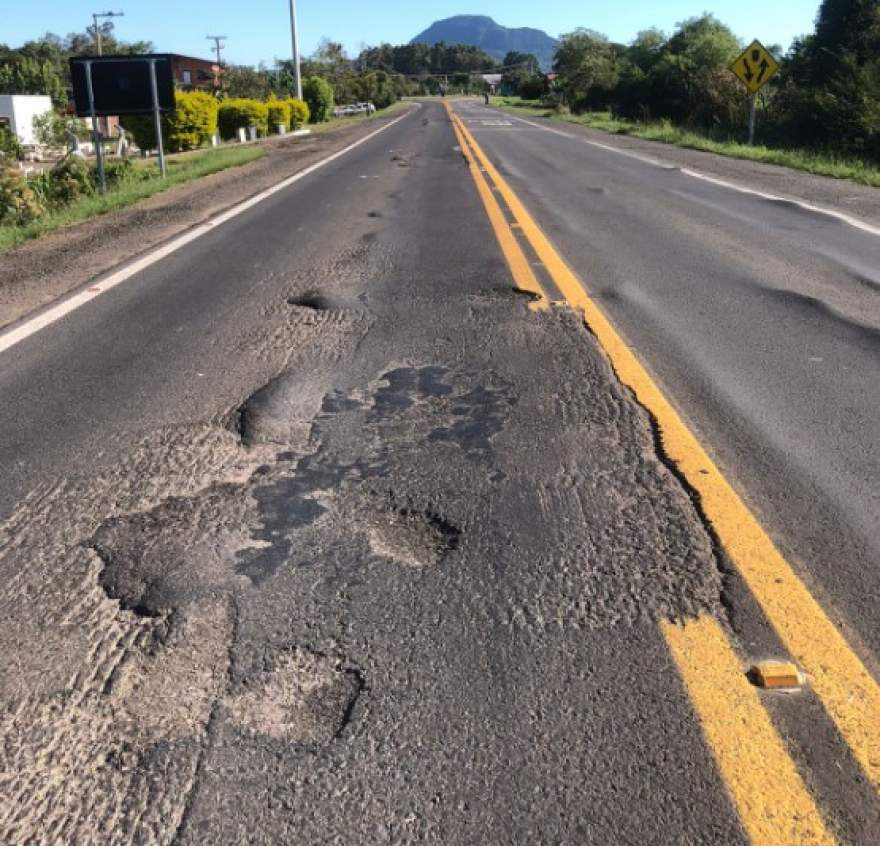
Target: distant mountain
pixel 494 39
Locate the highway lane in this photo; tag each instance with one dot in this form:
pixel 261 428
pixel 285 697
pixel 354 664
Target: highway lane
pixel 314 534
pixel 333 538
pixel 761 319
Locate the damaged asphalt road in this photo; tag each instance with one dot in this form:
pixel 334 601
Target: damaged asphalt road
pixel 314 532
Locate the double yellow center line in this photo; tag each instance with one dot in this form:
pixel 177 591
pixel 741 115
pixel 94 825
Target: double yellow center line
pixel 773 802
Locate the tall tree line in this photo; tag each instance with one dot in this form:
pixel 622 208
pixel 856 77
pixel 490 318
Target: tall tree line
pixel 827 94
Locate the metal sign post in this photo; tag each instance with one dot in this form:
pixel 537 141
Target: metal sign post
pixel 97 137
pixel 752 119
pixel 157 117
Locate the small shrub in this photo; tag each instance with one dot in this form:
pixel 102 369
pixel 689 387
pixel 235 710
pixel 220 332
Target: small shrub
pixel 277 113
pixel 10 147
pixel 298 112
pixel 190 125
pixel 533 88
pixel 51 129
pixel 19 205
pixel 119 171
pixel 69 180
pixel 193 121
pixel 318 94
pixel 240 112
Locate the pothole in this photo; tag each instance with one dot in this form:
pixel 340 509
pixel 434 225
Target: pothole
pixel 158 561
pixel 311 300
pixel 304 698
pixel 408 534
pixel 499 293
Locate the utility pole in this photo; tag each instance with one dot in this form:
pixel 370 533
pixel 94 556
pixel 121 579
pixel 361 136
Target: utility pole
pixel 294 41
pixel 95 17
pixel 105 122
pixel 217 45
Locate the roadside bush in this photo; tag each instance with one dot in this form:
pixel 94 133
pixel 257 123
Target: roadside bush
pixel 298 113
pixel 120 171
pixel 10 148
pixel 51 129
pixel 318 94
pixel 533 88
pixel 278 113
pixel 69 180
pixel 190 125
pixel 379 88
pixel 240 112
pixel 19 205
pixel 193 121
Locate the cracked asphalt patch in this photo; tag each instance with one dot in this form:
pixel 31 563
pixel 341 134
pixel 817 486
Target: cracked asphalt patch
pixel 405 590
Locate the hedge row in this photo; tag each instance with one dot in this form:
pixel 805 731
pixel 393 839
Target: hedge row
pixel 265 116
pixel 197 116
pixel 190 125
pixel 291 112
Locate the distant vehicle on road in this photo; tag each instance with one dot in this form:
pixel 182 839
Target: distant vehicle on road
pixel 353 109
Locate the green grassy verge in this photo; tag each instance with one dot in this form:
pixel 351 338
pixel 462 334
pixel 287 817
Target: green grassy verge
pixel 336 123
pixel 180 169
pixel 664 132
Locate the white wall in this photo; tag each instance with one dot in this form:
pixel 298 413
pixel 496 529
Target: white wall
pixel 21 109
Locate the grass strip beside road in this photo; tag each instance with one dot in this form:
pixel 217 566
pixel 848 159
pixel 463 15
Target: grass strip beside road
pixel 664 132
pixel 180 170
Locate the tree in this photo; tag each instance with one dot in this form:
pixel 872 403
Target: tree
pixel 587 64
pixel 520 70
pixel 44 62
pixel 25 75
pixel 248 82
pixel 829 87
pixel 318 94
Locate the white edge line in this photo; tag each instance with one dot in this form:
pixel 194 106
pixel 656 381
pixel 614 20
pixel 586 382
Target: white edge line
pixel 696 174
pixel 99 286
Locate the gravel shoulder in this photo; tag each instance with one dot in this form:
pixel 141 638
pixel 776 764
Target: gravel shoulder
pixel 38 272
pixel 840 195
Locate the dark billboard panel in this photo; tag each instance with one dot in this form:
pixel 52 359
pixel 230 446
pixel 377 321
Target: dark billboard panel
pixel 121 84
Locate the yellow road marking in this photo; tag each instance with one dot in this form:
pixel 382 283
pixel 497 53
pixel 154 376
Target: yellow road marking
pixel 849 693
pixel 523 275
pixel 773 803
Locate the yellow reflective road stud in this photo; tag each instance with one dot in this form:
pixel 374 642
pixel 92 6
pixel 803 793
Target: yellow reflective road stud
pixel 755 66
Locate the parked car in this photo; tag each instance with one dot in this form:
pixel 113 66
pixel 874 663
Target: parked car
pixel 353 109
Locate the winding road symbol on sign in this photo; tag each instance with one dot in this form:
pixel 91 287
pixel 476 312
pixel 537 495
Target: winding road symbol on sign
pixel 755 66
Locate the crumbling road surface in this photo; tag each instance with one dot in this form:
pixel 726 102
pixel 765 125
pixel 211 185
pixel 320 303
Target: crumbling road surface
pixel 320 529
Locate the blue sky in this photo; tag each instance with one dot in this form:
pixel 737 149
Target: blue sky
pixel 259 30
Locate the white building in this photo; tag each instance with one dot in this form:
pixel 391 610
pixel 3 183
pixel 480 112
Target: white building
pixel 18 112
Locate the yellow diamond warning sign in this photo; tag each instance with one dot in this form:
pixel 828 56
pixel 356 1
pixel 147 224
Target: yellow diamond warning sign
pixel 755 66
